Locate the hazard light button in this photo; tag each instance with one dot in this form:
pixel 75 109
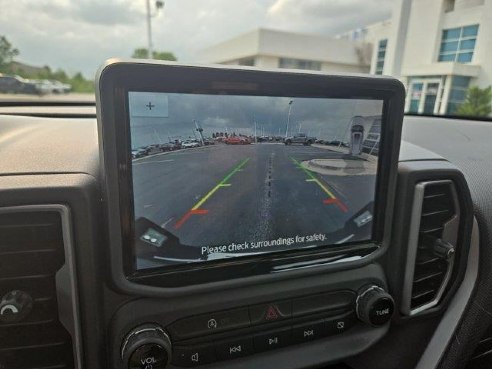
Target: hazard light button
pixel 271 312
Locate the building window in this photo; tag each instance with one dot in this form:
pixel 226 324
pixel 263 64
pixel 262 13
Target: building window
pixel 457 94
pixel 425 94
pixel 415 96
pixel 381 54
pixel 371 142
pixel 299 64
pixel 249 62
pixel 458 44
pixel 449 5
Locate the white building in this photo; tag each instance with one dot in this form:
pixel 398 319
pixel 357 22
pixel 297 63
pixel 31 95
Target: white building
pixel 438 48
pixel 277 49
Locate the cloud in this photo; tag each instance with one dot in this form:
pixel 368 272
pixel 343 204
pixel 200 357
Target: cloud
pixel 78 35
pixel 106 12
pixel 327 16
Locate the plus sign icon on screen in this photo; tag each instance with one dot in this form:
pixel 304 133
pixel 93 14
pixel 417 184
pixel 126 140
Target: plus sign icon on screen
pixel 148 104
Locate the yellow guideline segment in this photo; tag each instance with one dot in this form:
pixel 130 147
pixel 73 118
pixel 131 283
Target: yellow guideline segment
pixel 312 178
pixel 220 184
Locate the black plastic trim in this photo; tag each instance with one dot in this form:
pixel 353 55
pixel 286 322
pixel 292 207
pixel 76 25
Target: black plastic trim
pixel 116 78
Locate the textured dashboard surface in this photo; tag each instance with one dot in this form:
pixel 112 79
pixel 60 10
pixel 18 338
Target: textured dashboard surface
pixel 468 145
pixel 48 145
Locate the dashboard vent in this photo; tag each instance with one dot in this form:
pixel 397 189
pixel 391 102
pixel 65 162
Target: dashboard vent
pixel 31 254
pixel 431 248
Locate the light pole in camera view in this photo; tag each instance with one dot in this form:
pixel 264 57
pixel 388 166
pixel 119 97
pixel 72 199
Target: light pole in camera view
pixel 288 118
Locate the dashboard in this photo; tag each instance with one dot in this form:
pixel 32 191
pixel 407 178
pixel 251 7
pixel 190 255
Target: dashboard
pixel 417 297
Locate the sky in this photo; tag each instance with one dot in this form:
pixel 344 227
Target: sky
pixel 78 35
pixel 173 116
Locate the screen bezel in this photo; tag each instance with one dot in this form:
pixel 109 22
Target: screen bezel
pixel 118 78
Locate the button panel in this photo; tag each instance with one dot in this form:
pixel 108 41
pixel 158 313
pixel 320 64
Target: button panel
pixel 261 341
pixel 230 334
pixel 221 321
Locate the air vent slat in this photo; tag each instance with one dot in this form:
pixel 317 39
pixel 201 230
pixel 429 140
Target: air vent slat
pixel 435 212
pixel 31 253
pixel 426 293
pixel 430 271
pixel 37 357
pixel 433 196
pixel 45 345
pixel 422 261
pixel 431 230
pixel 428 277
pixel 28 246
pixel 30 264
pixel 28 252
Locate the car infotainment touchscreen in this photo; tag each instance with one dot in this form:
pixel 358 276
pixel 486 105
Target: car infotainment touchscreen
pixel 218 176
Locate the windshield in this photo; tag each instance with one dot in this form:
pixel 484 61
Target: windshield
pixel 439 49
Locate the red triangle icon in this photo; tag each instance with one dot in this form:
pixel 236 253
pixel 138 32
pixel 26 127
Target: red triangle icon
pixel 272 313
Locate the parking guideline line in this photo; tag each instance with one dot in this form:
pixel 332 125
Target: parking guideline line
pixel 333 199
pixel 314 179
pixel 220 184
pixel 195 210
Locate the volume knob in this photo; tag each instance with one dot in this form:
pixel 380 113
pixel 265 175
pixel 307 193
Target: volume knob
pixel 146 346
pixel 374 306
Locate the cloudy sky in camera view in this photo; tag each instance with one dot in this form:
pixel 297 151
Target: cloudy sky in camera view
pixel 175 114
pixel 78 35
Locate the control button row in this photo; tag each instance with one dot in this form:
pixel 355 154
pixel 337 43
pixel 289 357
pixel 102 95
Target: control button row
pixel 260 314
pixel 203 354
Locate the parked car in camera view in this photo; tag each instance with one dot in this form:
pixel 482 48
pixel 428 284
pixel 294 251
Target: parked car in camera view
pixel 300 138
pixel 208 141
pixel 235 140
pixel 189 144
pixel 138 153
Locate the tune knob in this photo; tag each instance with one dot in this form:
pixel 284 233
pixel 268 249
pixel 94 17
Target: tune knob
pixel 374 306
pixel 146 347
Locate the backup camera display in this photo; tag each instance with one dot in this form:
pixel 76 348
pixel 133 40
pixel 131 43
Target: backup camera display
pixel 223 176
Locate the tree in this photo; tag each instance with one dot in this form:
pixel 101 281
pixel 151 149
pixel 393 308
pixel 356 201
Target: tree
pixel 164 55
pixel 7 52
pixel 478 102
pixel 142 52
